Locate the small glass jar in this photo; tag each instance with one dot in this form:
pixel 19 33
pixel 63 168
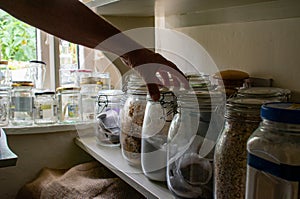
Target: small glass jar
pixel 273 169
pixel 69 104
pixel 157 120
pixel 191 141
pixel 108 117
pixel 4 107
pixel 241 119
pixel 45 108
pixel 132 117
pixel 5 77
pixel 21 108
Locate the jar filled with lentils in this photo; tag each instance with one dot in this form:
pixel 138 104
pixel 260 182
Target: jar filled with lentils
pixel 242 117
pixel 132 117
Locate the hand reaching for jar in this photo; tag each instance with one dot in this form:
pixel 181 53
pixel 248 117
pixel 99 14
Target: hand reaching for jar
pixel 71 20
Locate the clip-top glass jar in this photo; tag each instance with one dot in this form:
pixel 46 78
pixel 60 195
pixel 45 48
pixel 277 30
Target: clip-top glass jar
pixel 108 119
pixel 45 105
pixel 157 120
pixel 4 107
pixel 69 104
pixel 21 108
pixel 273 169
pixel 192 136
pixel 132 117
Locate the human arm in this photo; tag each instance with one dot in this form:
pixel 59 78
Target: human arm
pixel 73 21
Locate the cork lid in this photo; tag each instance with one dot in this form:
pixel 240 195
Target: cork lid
pixel 231 75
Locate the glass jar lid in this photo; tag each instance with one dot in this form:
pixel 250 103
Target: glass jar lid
pixel 263 92
pixel 71 88
pixel 135 84
pixel 44 93
pixel 204 100
pixel 22 83
pixel 244 108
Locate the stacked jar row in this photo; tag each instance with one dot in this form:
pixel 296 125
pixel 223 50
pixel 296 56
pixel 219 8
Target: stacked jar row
pixel 22 106
pixel 174 139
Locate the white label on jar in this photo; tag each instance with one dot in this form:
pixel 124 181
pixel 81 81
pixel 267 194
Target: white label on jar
pixel 22 104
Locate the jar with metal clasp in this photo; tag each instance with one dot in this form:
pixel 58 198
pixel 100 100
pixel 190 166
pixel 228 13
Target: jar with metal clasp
pixel 108 117
pixel 157 120
pixel 191 140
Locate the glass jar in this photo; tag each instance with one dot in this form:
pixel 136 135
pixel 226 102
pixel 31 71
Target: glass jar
pixel 267 93
pixel 45 108
pixel 199 81
pixel 69 104
pixel 192 136
pixel 241 119
pixel 5 77
pixel 108 117
pixel 273 169
pixel 21 108
pixel 4 107
pixel 157 120
pixel 38 72
pixel 132 117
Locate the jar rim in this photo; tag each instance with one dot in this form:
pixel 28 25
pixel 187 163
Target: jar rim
pixel 75 88
pixel 22 83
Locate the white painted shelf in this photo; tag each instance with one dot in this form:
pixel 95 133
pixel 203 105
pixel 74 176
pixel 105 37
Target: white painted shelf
pixel 111 157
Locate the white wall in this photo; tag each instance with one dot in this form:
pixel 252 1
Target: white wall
pixel 267 49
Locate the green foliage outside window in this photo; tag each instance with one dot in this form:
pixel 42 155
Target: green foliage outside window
pixel 17 39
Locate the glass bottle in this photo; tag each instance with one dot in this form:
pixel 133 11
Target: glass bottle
pixel 242 117
pixel 69 104
pixel 45 108
pixel 132 117
pixel 273 163
pixel 108 117
pixel 21 108
pixel 157 120
pixel 192 136
pixel 4 107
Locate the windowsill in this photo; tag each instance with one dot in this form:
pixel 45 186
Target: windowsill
pixel 80 127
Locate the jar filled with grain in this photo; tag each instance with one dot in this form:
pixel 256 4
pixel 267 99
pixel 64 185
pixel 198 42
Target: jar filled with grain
pixel 242 117
pixel 191 140
pixel 273 163
pixel 157 120
pixel 132 117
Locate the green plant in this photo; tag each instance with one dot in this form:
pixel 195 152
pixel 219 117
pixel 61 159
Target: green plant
pixel 17 39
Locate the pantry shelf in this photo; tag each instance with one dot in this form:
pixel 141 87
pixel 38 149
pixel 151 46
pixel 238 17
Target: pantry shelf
pixel 111 157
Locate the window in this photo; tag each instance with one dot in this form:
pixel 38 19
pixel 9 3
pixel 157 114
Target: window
pixel 17 39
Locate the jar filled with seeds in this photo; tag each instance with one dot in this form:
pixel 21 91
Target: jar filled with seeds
pixel 108 117
pixel 157 120
pixel 242 117
pixel 273 163
pixel 69 104
pixel 4 107
pixel 132 117
pixel 45 108
pixel 191 140
pixel 21 107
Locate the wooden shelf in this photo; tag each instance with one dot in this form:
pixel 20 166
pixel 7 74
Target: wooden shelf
pixel 111 157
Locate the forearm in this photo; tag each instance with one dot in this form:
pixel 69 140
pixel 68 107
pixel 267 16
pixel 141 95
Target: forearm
pixel 72 21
